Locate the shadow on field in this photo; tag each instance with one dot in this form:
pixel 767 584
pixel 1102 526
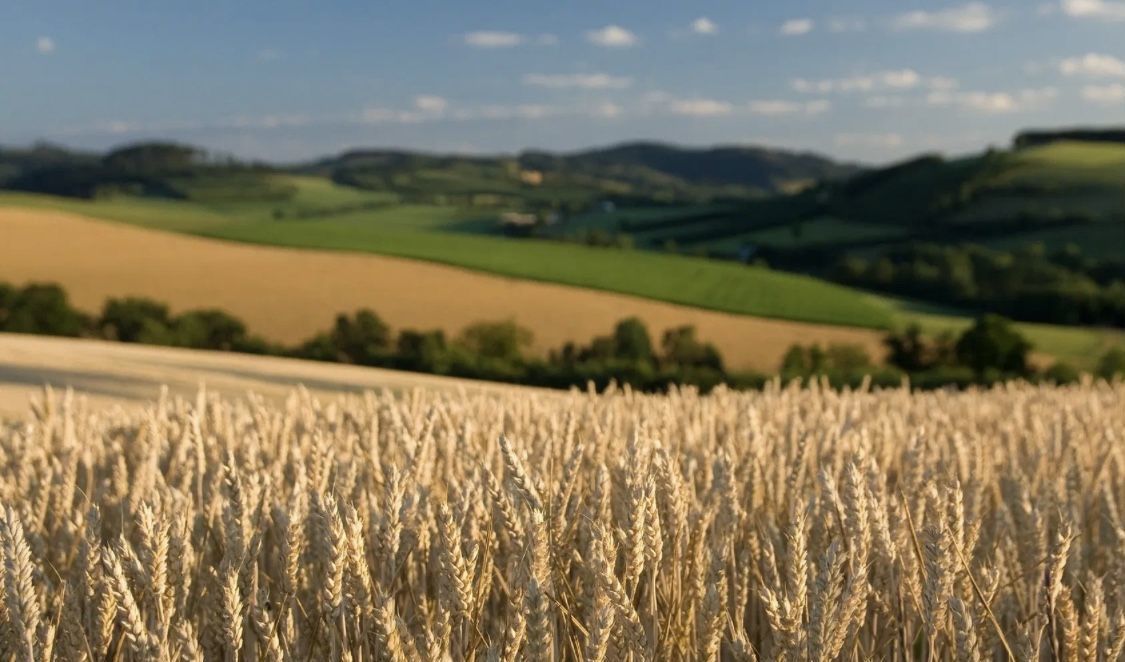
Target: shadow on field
pixel 130 388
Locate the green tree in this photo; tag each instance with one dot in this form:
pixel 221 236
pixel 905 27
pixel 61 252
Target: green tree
pixel 907 350
pixel 209 329
pixel 795 362
pixel 631 340
pixel 848 358
pixel 503 341
pixel 363 338
pixel 681 348
pixel 40 308
pixel 993 344
pixel 135 319
pixel 424 351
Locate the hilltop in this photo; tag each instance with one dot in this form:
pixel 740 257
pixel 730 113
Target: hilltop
pixel 641 171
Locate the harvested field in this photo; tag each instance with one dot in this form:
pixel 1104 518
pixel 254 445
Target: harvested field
pixel 782 525
pixel 287 294
pixel 116 374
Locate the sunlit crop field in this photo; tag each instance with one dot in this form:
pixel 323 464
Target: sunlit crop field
pixel 782 525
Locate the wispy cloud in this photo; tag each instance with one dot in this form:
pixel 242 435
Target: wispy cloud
pixel 778 107
pixel 894 79
pixel 796 27
pixel 612 36
pixel 267 55
pixel 45 45
pixel 431 103
pixel 847 24
pixel 1110 10
pixel 972 17
pixel 1093 65
pixel 664 103
pixel 1113 93
pixel 704 26
pixel 493 39
pixel 595 81
pixel 995 103
pixel 884 102
pixel 700 107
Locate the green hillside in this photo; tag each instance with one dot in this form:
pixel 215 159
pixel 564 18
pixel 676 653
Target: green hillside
pixel 997 198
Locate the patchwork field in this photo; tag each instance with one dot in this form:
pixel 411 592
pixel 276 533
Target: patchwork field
pixel 452 236
pixel 287 295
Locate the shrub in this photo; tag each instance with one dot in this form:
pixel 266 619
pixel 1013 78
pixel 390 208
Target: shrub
pixel 1112 364
pixel 1062 373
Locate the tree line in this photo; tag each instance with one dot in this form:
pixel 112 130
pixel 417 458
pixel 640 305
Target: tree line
pixel 1061 287
pixel 990 350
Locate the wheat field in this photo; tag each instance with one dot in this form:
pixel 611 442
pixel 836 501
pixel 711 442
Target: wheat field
pixel 790 524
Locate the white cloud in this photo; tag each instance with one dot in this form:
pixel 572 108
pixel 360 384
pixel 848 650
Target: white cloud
pixel 700 107
pixel 429 103
pixel 493 39
pixel 1093 65
pixel 1111 10
pixel 612 36
pixel 547 39
pixel 1104 94
pixel 796 27
pixel 973 17
pixel 994 103
pixel 875 140
pixel 267 55
pixel 704 25
pixel 581 81
pixel 45 45
pixel 847 25
pixel 779 107
pixel 883 102
pixel 606 110
pixel 893 79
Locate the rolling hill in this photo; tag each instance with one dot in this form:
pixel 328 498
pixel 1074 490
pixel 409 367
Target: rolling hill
pixel 1056 192
pixel 930 216
pixel 288 295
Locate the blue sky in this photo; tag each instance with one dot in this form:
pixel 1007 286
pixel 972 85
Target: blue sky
pixel 870 80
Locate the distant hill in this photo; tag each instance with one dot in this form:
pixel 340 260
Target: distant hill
pixel 15 162
pixel 641 170
pixel 152 169
pixel 1036 233
pixel 1032 138
pixel 1057 192
pixel 531 181
pixel 758 168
